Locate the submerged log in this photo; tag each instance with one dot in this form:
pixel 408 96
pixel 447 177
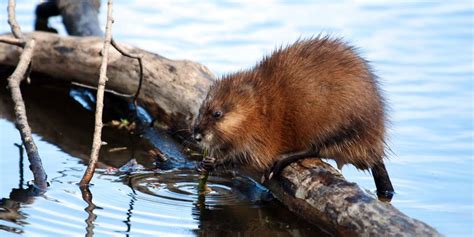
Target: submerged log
pixel 173 90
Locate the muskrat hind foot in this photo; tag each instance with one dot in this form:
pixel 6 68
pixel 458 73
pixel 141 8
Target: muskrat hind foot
pixel 285 160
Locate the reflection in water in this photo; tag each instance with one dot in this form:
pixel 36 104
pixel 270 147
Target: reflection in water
pixel 22 178
pixel 235 206
pixel 87 197
pixel 128 220
pixel 10 207
pixel 133 199
pixel 178 187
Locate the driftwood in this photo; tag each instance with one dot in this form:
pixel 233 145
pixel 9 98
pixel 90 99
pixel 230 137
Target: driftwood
pixel 172 91
pixel 321 195
pixel 166 85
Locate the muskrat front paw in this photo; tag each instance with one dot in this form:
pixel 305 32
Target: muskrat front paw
pixel 206 165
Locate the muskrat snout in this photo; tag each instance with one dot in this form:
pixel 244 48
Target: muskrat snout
pixel 197 134
pixel 197 137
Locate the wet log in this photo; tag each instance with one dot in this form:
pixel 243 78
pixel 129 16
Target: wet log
pixel 173 90
pixel 321 195
pixel 166 91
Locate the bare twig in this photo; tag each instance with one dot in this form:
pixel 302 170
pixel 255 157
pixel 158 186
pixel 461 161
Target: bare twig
pixel 140 63
pixel 11 40
pixel 21 72
pixel 97 142
pixel 127 96
pixel 12 21
pixel 20 112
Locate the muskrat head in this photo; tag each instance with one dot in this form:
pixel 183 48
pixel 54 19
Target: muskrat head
pixel 224 116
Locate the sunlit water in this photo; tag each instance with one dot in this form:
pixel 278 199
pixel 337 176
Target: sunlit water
pixel 422 52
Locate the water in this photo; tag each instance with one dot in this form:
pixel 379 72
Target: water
pixel 161 199
pixel 422 51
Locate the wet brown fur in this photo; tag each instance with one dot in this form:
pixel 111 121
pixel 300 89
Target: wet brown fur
pixel 314 93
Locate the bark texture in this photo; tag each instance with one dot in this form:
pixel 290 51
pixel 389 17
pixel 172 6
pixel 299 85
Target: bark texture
pixel 321 195
pixel 166 84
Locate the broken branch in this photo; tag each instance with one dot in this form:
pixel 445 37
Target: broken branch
pixel 97 142
pixel 12 21
pixel 140 63
pixel 13 41
pixel 21 72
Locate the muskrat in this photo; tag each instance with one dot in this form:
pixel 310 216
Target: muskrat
pixel 316 97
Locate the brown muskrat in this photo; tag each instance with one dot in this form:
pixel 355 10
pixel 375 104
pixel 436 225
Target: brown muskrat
pixel 316 97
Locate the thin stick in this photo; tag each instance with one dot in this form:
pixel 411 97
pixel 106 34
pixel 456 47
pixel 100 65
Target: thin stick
pixel 128 96
pixel 20 113
pixel 12 21
pixel 97 142
pixel 140 63
pixel 203 176
pixel 11 40
pixel 21 72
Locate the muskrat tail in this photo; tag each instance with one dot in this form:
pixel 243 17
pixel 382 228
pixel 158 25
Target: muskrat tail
pixel 382 181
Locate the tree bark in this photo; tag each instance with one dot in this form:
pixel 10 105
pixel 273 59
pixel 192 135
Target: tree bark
pixel 172 91
pixel 321 195
pixel 166 84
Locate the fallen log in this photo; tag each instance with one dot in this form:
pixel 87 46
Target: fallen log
pixel 166 90
pixel 321 195
pixel 172 91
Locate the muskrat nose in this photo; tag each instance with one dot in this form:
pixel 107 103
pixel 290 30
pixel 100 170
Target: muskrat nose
pixel 198 137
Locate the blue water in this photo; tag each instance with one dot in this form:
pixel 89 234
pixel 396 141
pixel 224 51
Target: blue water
pixel 421 50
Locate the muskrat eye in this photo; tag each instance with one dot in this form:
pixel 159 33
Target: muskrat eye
pixel 217 114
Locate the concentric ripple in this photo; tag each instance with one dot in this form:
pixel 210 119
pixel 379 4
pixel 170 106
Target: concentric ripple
pixel 180 188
